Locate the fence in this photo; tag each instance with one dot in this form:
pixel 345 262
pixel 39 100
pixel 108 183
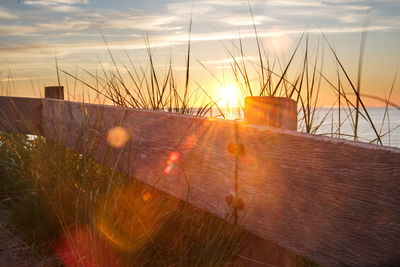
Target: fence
pixel 336 202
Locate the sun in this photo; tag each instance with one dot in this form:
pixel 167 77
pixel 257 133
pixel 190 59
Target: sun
pixel 228 96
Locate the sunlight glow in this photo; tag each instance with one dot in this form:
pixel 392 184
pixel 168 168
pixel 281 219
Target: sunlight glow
pixel 229 96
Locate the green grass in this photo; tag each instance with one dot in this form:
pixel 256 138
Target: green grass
pixel 64 201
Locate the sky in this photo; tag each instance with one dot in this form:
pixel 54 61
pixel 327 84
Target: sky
pixel 34 32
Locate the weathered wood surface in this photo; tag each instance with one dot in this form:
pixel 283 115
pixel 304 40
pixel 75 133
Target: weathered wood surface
pixel 334 201
pixel 203 173
pixel 278 112
pixel 20 114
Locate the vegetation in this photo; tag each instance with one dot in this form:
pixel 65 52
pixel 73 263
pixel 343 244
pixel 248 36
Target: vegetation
pixel 86 212
pixel 302 78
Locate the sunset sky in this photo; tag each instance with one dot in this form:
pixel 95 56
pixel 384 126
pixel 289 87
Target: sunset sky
pixel 33 31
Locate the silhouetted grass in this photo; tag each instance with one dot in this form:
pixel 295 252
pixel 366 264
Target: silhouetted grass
pixel 59 195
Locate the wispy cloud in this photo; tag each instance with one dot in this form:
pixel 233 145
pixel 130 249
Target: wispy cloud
pixel 141 22
pixel 246 20
pixel 16 30
pixel 295 3
pixel 44 28
pixel 72 27
pixel 234 35
pixel 6 13
pixel 58 5
pixel 229 60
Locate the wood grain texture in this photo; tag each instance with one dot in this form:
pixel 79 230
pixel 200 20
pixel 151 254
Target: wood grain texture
pixel 203 174
pixel 278 112
pixel 334 201
pixel 20 115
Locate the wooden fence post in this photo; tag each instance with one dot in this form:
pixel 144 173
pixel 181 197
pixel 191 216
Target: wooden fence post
pixel 54 92
pixel 278 112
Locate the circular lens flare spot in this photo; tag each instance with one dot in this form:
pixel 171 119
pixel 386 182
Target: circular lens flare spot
pixel 174 156
pixel 117 137
pixel 146 196
pixel 129 217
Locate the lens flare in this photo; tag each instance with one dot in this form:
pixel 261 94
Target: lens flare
pixel 82 247
pixel 173 158
pixel 117 137
pixel 146 196
pixel 129 217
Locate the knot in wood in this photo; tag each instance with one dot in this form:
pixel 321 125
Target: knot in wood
pixel 234 202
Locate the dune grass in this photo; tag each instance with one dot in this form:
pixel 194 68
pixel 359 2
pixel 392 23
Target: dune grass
pixel 67 203
pixel 303 78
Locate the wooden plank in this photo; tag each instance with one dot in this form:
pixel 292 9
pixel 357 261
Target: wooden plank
pixel 54 92
pixel 20 115
pixel 205 182
pixel 334 201
pixel 278 112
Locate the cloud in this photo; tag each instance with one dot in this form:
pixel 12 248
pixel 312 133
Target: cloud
pixel 234 35
pixel 189 8
pixel 7 14
pixel 58 5
pixel 16 30
pixel 62 27
pixel 229 60
pixel 55 2
pixel 15 79
pixel 212 22
pixel 231 3
pixel 295 3
pixel 139 21
pixel 246 20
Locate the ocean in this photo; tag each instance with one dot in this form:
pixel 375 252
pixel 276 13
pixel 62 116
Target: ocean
pixel 326 123
pixel 386 123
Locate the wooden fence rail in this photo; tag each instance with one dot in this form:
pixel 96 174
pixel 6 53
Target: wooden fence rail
pixel 334 201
